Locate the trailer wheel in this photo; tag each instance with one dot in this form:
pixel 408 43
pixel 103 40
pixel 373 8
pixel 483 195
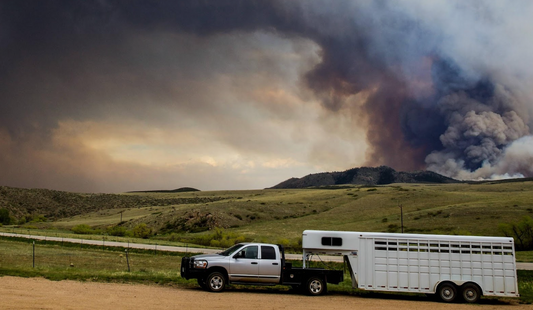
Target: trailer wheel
pixel 447 292
pixel 470 293
pixel 215 282
pixel 316 286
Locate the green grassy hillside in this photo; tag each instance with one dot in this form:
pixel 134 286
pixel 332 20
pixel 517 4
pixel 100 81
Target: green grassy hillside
pixel 274 214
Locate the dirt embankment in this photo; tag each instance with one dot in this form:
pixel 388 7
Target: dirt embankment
pixel 38 293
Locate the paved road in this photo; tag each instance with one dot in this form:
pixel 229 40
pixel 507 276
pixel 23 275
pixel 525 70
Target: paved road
pixel 520 266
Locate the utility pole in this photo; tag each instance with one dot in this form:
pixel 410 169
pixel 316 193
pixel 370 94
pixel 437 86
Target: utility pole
pixel 401 215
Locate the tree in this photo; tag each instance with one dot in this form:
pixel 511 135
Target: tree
pixel 521 231
pixel 142 231
pixel 5 218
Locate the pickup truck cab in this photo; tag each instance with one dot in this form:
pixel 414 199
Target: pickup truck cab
pixel 258 264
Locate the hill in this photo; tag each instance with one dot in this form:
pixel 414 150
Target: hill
pixel 280 215
pixel 177 190
pixel 364 176
pixel 54 205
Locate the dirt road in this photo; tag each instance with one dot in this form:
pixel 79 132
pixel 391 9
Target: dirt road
pixel 38 293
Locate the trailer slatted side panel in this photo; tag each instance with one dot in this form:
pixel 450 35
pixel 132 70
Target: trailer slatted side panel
pixel 418 265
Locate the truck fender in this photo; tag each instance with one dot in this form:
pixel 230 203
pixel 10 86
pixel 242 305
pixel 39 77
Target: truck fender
pixel 218 269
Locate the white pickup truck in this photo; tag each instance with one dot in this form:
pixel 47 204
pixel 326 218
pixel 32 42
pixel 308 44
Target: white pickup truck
pixel 258 264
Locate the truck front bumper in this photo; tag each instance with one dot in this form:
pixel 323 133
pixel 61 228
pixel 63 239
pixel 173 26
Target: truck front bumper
pixel 187 270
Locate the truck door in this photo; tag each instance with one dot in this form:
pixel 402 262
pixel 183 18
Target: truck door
pixel 244 265
pixel 269 265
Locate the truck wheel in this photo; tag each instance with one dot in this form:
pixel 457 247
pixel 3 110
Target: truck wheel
pixel 447 292
pixel 316 286
pixel 215 282
pixel 470 292
pixel 201 282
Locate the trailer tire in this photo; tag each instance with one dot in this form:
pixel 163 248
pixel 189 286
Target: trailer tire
pixel 316 286
pixel 447 292
pixel 470 292
pixel 215 282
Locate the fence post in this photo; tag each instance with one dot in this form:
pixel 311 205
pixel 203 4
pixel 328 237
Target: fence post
pixel 33 254
pixel 128 260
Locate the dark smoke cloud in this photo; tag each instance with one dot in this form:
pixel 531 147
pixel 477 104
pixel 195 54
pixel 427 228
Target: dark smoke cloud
pixel 436 84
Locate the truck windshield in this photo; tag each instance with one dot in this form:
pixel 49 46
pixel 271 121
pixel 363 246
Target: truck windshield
pixel 231 250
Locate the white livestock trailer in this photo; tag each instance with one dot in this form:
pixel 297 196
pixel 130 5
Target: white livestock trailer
pixel 449 266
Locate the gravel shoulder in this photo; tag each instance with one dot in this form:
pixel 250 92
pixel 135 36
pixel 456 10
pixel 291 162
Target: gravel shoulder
pixel 39 293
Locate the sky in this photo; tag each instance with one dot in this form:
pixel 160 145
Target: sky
pixel 114 96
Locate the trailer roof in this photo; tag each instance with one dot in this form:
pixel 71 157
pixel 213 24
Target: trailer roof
pixel 331 233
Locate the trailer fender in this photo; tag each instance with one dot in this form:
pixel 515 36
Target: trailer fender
pixel 455 282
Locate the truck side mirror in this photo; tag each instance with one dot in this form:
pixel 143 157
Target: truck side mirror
pixel 241 254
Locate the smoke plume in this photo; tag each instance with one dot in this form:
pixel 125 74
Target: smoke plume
pixel 442 85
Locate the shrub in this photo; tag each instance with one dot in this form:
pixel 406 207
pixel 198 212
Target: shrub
pixel 118 231
pixel 219 238
pixel 83 229
pixel 284 242
pixel 142 231
pixel 392 228
pixel 38 219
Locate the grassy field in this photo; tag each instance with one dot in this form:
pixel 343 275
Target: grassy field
pixel 93 263
pixel 270 215
pixel 83 262
pixel 280 216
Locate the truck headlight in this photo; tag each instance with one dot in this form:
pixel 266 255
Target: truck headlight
pixel 200 264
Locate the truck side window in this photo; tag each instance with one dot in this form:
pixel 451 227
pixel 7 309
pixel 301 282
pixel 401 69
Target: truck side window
pixel 250 252
pixel 268 252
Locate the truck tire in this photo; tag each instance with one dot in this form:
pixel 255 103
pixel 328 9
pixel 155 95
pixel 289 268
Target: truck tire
pixel 447 292
pixel 215 282
pixel 316 286
pixel 470 292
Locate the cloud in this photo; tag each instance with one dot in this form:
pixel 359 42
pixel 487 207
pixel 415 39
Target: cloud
pixel 155 110
pixel 253 88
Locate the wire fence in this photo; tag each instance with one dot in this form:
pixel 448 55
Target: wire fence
pixel 83 258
